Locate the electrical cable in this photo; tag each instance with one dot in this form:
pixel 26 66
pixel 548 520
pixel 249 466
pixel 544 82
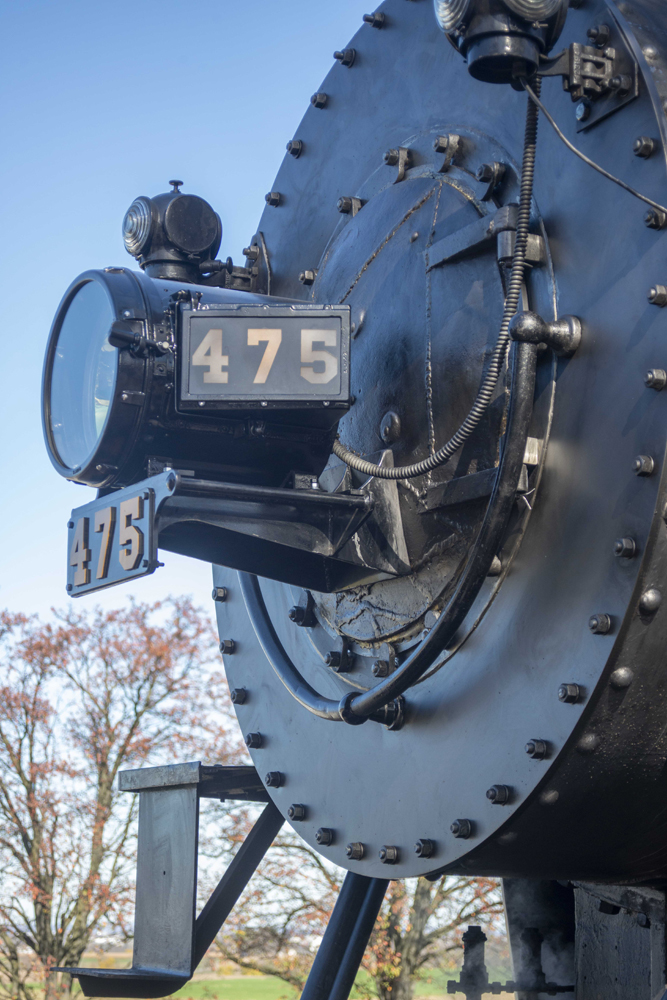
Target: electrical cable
pixel 582 156
pixel 490 380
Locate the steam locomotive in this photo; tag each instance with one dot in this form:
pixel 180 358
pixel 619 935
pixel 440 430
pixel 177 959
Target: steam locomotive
pixel 420 434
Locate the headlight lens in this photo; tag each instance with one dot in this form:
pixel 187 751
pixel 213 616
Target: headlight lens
pixel 137 226
pixel 83 376
pixel 451 13
pixel 534 10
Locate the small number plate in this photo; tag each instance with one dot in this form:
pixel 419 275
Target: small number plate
pixel 291 357
pixel 111 540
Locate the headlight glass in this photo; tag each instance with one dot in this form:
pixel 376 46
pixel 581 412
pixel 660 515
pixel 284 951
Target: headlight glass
pixel 83 376
pixel 534 10
pixel 451 13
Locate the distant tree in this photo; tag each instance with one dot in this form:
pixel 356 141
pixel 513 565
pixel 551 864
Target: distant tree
pixel 287 907
pixel 80 699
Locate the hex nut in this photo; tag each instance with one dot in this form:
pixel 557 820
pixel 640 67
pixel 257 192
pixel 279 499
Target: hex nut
pixel 391 157
pixel 273 198
pixel 319 100
pixel 275 779
pixel 582 111
pixel 303 617
pixel 254 741
pixel 355 851
pixel 599 35
pixel 461 828
pixel 656 378
pixel 570 694
pixel 308 277
pixel 296 812
pixel 499 795
pixel 227 647
pixel 295 148
pixel 346 57
pixel 600 624
pixel 644 146
pixel 375 20
pixel 537 749
pixel 389 855
pixel 239 696
pixel 324 836
pixel 644 465
pixel 621 678
pixel 655 219
pixel 650 601
pixel 219 594
pixel 625 548
pixel 380 668
pixel 425 848
pixel 657 295
pixel 344 205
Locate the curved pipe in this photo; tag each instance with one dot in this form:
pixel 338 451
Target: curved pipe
pixel 376 703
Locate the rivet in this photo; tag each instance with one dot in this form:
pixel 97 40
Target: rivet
pixel 295 148
pixel 307 277
pixel 296 812
pixel 380 668
pixel 324 836
pixel 650 601
pixel 537 749
pixel 273 198
pixel 346 57
pixel 657 295
pixel 375 20
pixel 656 378
pixel 570 694
pixel 355 851
pixel 388 855
pixel 425 848
pixel 550 797
pixel 219 594
pixel 621 678
pixel 655 219
pixel 600 624
pixel 625 548
pixel 390 427
pixel 643 465
pixel 319 100
pixel 414 237
pixel 461 828
pixel 644 147
pixel 588 743
pixel 499 795
pixel 643 920
pixel 275 779
pixel 239 696
pixel 254 741
pixel 227 647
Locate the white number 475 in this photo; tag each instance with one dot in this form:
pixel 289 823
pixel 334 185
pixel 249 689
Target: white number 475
pixel 209 355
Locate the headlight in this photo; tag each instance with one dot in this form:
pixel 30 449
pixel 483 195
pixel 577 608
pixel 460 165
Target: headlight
pixel 137 226
pixel 451 14
pixel 142 374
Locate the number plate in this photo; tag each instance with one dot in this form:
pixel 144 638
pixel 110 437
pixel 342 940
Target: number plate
pixel 111 540
pixel 290 357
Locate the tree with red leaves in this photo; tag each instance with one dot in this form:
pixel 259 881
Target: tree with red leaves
pixel 80 699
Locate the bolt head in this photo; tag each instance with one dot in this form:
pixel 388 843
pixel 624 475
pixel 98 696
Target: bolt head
pixel 324 836
pixel 625 548
pixel 569 694
pixel 644 146
pixel 643 465
pixel 537 749
pixel 380 668
pixel 319 100
pixel 219 594
pixel 227 647
pixel 650 601
pixel 657 295
pixel 274 779
pixel 239 696
pixel 583 111
pixel 425 848
pixel 273 198
pixel 307 277
pixel 254 741
pixel 295 148
pixel 499 795
pixel 656 378
pixel 389 855
pixel 296 812
pixel 485 173
pixel 600 624
pixel 355 851
pixel 461 828
pixel 344 206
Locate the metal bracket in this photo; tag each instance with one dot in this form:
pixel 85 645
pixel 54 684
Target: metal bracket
pixel 605 79
pixel 169 943
pixel 450 145
pixel 400 158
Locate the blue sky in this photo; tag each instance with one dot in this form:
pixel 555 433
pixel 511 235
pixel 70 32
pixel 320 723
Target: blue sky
pixel 101 102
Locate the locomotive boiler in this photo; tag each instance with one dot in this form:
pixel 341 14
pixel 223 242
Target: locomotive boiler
pixel 420 434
